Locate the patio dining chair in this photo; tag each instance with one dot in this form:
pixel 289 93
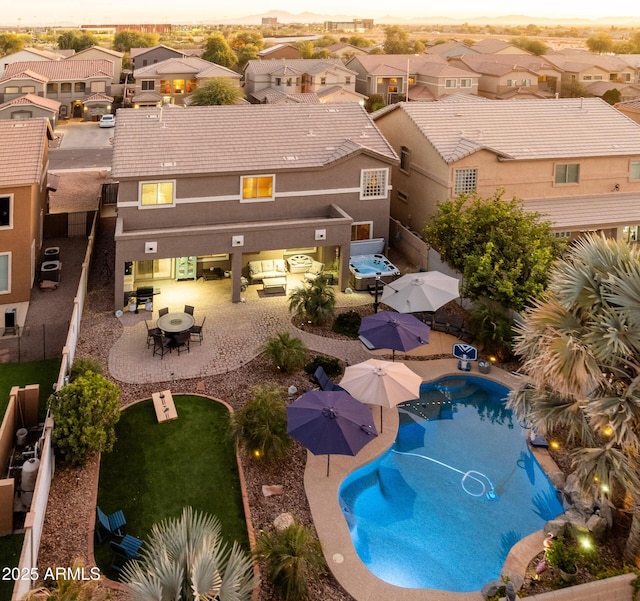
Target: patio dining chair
pixel 161 345
pixel 163 311
pixel 195 332
pixel 180 342
pixel 151 332
pixel 188 309
pixel 109 524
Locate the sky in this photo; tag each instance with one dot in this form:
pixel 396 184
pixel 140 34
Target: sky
pixel 28 13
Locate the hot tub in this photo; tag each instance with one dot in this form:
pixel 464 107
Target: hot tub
pixel 364 268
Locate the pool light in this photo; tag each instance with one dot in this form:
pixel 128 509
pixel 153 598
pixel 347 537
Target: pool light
pixel 608 431
pixel 554 444
pixel 585 543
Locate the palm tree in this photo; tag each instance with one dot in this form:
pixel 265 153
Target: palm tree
pixel 580 344
pixel 286 352
pixel 186 558
pixel 315 301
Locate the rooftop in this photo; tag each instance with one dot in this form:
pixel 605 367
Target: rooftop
pixel 22 151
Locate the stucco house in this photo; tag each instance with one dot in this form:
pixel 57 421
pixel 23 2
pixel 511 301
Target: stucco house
pixel 24 159
pixel 28 54
pixel 173 80
pixel 630 108
pixel 586 68
pixel 280 51
pixel 31 106
pixel 576 161
pixel 315 177
pixel 142 57
pixel 100 53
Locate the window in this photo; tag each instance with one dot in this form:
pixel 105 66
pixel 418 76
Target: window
pixel 362 230
pixel 52 88
pixel 562 235
pixel 373 183
pixel 65 88
pixel 411 80
pixel 323 81
pixel 78 87
pixel 465 83
pixel 403 197
pixel 5 273
pixel 6 212
pixel 347 80
pixel 12 90
pixel 587 78
pixel 28 89
pixel 597 77
pixel 465 180
pixel 526 83
pixel 405 159
pixel 634 170
pixel 98 87
pixel 144 62
pixel 278 81
pixel 257 188
pixel 156 193
pixel 511 83
pixel 289 81
pixel 450 83
pixel 568 173
pixel 393 89
pixel 148 85
pixel 630 233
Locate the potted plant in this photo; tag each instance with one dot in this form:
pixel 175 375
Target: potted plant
pixel 564 557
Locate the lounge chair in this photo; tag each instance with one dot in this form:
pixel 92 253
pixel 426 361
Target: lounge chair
pixel 125 550
pixel 325 382
pixel 196 331
pixel 151 332
pixel 109 524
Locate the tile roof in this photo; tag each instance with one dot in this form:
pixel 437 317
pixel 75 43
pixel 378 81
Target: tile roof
pixel 581 61
pixel 524 130
pixel 629 104
pixel 191 65
pixel 22 150
pixel 33 99
pixel 134 52
pixel 113 53
pixel 27 74
pixel 240 139
pixel 63 70
pixel 99 97
pixel 49 55
pixel 491 46
pixel 295 66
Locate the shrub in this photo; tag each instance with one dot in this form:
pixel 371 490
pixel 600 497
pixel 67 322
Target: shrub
pixel 82 366
pixel 261 425
pixel 493 330
pixel 85 414
pixel 285 352
pixel 562 555
pixel 347 323
pixel 293 557
pixel 314 301
pixel 331 365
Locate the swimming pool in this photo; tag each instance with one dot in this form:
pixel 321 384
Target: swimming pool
pixel 457 489
pixel 364 268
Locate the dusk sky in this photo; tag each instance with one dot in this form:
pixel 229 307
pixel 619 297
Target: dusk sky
pixel 38 12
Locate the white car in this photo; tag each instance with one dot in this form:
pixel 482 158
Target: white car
pixel 108 121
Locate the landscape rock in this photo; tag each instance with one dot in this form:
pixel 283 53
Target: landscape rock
pixel 283 521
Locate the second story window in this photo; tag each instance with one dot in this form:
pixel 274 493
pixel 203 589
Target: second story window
pixel 65 88
pixel 78 87
pixel 156 194
pixel 278 81
pixel 257 188
pixel 465 83
pixel 323 81
pixel 512 83
pixel 148 85
pixel 347 79
pixel 465 180
pixel 373 184
pixel 567 173
pixel 634 170
pixel 450 83
pixel 6 212
pixel 405 159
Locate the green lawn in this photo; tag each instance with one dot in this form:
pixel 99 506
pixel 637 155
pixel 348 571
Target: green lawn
pixel 10 548
pixel 44 373
pixel 157 468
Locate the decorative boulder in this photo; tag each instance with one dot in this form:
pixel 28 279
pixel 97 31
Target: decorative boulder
pixel 597 525
pixel 283 521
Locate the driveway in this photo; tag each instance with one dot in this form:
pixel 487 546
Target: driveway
pixel 83 134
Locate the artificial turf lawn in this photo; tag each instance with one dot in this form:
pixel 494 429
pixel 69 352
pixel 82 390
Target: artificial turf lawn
pixel 9 556
pixel 155 469
pixel 44 373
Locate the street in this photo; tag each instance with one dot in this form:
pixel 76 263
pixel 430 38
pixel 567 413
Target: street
pixel 82 145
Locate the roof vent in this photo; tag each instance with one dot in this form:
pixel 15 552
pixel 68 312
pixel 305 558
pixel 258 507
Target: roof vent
pixel 332 110
pixel 168 164
pixel 290 158
pixel 310 133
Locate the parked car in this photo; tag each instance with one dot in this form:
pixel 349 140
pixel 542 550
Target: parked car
pixel 108 121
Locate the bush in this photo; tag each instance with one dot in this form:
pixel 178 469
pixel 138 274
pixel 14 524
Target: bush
pixel 82 366
pixel 85 414
pixel 493 330
pixel 347 323
pixel 331 366
pixel 261 425
pixel 286 353
pixel 563 556
pixel 314 301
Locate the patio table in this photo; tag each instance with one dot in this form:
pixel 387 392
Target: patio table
pixel 174 323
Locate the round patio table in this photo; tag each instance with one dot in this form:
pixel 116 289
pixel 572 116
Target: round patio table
pixel 174 323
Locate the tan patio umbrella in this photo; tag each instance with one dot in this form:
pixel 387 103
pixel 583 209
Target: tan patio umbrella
pixel 383 383
pixel 423 291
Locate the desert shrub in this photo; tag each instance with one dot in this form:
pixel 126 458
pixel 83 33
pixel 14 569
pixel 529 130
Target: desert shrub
pixel 331 366
pixel 285 352
pixel 314 301
pixel 261 425
pixel 83 365
pixel 493 330
pixel 347 323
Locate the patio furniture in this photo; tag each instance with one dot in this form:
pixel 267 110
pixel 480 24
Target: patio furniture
pixel 175 323
pixel 270 285
pixel 109 524
pixel 161 345
pixel 163 311
pixel 180 342
pixel 124 551
pixel 314 272
pixel 325 382
pixel 144 296
pixel 196 331
pixel 189 309
pixel 151 332
pixel 164 406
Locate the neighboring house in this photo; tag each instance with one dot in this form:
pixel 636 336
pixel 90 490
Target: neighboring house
pixel 633 60
pixel 31 106
pixel 143 57
pixel 28 54
pixel 70 82
pixel 630 108
pixel 491 46
pixel 280 51
pixel 428 77
pixel 587 68
pixel 345 51
pixel 450 49
pixel 329 79
pixel 600 88
pixel 315 178
pixel 24 147
pixel 99 53
pixel 576 161
pixel 507 76
pixel 173 80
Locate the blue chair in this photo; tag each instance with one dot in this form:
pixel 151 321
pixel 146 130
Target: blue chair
pixel 124 551
pixel 109 524
pixel 325 382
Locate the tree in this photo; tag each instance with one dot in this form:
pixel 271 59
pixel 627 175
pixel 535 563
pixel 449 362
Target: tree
pixel 533 46
pixel 306 49
pixel 218 91
pixel 76 40
pixel 261 425
pixel 245 38
pixel 285 352
pixel 218 51
pixel 612 96
pixel 123 41
pixel 503 252
pixel 187 558
pixel 374 102
pixel 247 53
pixel 314 301
pixel 396 40
pixel 601 43
pixel 85 414
pixel 359 41
pixel 580 346
pixel 11 43
pixel 293 558
pixel 573 89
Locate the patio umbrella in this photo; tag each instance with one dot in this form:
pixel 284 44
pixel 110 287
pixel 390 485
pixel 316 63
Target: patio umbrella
pixel 381 383
pixel 330 423
pixel 424 291
pixel 395 331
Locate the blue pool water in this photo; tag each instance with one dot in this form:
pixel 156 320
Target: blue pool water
pixel 458 488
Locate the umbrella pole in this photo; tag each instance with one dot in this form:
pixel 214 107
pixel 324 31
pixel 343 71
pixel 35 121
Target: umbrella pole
pixel 380 419
pixel 328 457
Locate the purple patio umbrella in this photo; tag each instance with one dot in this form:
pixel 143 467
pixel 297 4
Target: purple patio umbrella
pixel 395 331
pixel 330 423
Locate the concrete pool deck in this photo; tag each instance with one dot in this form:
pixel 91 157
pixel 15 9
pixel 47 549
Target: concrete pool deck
pixel 339 552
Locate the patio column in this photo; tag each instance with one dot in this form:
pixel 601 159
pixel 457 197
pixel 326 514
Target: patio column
pixel 236 273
